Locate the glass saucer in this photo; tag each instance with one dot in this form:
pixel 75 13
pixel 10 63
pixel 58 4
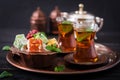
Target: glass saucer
pixel 102 60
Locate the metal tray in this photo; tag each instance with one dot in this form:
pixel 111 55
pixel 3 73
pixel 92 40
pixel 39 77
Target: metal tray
pixel 113 59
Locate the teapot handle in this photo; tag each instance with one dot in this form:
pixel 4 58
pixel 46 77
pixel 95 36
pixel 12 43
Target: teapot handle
pixel 99 22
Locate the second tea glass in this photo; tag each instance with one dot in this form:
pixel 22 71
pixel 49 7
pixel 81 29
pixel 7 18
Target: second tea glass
pixel 66 37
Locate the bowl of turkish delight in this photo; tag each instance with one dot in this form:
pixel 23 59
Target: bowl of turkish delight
pixel 35 49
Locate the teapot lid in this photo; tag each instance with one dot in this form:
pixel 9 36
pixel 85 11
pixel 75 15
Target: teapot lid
pixel 38 14
pixel 55 12
pixel 81 14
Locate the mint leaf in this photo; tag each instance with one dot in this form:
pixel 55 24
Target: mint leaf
pixel 53 48
pixel 5 74
pixel 66 22
pixel 59 68
pixel 58 50
pixel 83 37
pixel 89 29
pixel 6 48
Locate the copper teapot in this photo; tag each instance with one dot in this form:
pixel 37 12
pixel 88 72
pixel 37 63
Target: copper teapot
pixel 38 20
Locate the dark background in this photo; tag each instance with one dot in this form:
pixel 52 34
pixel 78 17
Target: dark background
pixel 15 15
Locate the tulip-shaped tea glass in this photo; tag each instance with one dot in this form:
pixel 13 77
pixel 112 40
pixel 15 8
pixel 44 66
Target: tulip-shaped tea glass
pixel 85 28
pixel 66 37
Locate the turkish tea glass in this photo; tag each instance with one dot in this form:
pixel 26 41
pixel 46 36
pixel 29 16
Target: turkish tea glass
pixel 66 37
pixel 84 32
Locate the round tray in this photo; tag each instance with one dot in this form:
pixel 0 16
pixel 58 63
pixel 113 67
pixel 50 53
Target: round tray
pixel 113 59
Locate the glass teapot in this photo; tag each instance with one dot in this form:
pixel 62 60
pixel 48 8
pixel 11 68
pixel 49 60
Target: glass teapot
pixel 85 20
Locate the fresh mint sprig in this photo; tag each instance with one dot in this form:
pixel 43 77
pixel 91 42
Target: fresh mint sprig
pixel 83 37
pixel 59 68
pixel 6 48
pixel 66 22
pixel 5 74
pixel 53 48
